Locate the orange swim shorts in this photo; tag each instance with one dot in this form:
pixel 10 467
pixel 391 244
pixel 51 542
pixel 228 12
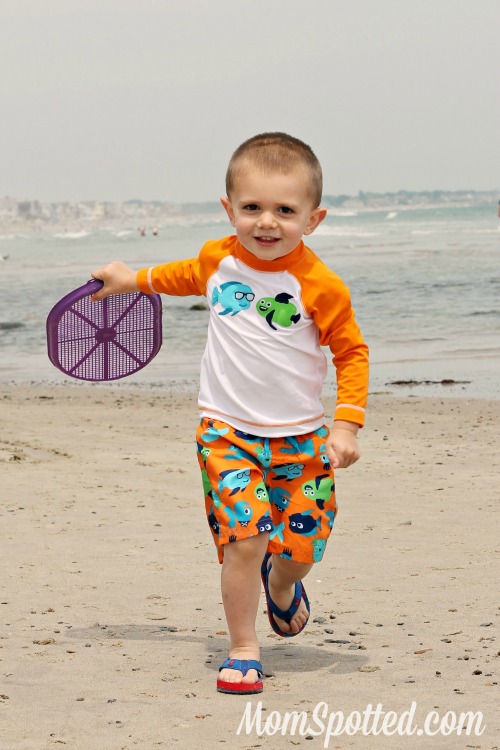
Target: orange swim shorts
pixel 283 486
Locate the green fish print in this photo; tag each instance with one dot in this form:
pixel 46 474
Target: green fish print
pixel 278 310
pixel 320 489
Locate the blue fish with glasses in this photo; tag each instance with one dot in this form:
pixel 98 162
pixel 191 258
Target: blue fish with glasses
pixel 234 479
pixel 233 296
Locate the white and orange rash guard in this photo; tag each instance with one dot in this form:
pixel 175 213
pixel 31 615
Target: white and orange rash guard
pixel 263 367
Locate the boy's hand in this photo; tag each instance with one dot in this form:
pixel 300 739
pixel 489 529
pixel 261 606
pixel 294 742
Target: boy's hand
pixel 342 446
pixel 118 278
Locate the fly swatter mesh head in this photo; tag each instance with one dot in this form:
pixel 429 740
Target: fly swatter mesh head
pixel 104 340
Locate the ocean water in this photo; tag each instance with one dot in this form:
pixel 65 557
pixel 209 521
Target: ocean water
pixel 425 284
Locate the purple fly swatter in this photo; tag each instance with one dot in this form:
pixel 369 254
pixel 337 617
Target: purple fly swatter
pixel 104 340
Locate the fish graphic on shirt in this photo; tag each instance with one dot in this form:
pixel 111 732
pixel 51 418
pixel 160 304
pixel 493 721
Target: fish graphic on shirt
pixel 278 310
pixel 233 296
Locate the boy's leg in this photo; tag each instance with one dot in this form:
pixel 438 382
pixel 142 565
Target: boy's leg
pixel 302 489
pixel 240 584
pixel 239 514
pixel 282 579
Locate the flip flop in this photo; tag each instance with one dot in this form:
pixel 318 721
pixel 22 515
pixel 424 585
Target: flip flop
pixel 241 688
pixel 273 609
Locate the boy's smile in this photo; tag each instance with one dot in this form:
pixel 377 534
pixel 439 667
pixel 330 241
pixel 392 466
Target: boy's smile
pixel 271 211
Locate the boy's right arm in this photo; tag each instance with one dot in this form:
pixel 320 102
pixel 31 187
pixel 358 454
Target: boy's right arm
pixel 178 278
pixel 118 278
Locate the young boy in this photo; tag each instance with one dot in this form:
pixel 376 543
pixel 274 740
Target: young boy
pixel 266 456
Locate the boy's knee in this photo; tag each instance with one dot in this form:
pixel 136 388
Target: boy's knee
pixel 247 550
pixel 291 568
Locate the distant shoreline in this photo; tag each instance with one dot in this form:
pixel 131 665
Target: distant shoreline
pixel 40 216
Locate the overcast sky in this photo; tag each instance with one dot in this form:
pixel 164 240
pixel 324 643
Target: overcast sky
pixel 120 99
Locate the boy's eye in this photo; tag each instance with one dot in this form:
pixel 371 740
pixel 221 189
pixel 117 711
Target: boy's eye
pixel 285 210
pixel 251 207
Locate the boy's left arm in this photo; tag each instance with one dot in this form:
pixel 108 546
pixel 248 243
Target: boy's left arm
pixel 340 332
pixel 351 363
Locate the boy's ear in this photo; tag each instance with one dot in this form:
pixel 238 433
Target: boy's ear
pixel 229 209
pixel 315 219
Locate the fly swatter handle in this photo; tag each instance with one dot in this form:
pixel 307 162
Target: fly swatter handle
pixel 94 285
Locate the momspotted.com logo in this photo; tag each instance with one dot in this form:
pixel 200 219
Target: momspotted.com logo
pixel 373 720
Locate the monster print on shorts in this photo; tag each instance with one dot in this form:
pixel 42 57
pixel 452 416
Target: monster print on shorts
pixel 281 485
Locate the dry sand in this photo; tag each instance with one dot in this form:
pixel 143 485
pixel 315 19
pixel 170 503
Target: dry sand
pixel 112 627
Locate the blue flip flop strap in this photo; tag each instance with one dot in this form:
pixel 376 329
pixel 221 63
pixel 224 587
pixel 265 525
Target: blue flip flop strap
pixel 287 615
pixel 242 665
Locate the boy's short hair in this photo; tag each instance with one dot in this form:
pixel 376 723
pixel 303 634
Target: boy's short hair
pixel 277 152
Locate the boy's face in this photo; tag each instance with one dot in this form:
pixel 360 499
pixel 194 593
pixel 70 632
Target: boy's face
pixel 271 212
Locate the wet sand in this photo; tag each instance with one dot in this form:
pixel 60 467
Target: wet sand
pixel 112 627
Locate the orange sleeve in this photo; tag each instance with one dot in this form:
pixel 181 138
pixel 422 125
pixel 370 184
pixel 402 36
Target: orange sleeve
pixel 179 278
pixel 183 277
pixel 328 301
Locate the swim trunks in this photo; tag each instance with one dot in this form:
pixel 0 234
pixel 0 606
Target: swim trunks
pixel 280 485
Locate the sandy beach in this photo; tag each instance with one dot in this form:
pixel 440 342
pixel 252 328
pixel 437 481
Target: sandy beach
pixel 112 627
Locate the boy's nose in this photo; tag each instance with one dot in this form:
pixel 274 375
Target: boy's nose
pixel 266 219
